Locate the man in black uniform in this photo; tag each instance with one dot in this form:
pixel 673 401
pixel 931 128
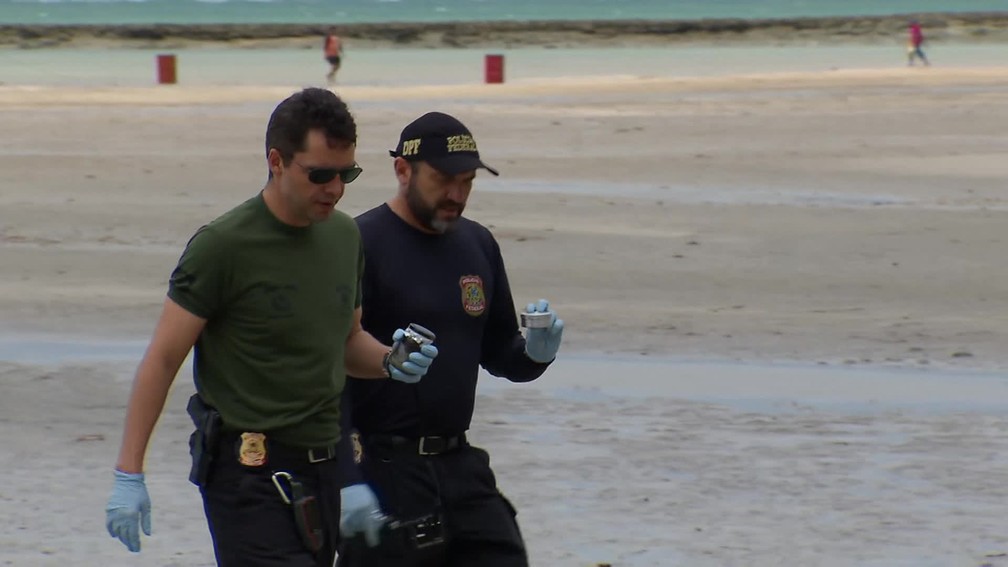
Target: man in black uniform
pixel 426 263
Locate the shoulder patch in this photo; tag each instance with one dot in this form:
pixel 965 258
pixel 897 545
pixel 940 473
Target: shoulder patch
pixel 473 297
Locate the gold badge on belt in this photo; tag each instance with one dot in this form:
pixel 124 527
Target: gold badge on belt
pixel 252 452
pixel 358 450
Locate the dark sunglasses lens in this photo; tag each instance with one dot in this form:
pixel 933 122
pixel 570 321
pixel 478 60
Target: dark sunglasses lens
pixel 322 176
pixel 348 175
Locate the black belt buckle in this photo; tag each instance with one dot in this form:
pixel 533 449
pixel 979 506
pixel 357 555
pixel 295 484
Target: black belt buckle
pixel 321 454
pixel 431 445
pixel 436 445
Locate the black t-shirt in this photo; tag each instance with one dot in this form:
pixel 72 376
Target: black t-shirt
pixel 455 285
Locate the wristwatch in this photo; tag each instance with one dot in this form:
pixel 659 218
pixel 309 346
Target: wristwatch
pixel 385 364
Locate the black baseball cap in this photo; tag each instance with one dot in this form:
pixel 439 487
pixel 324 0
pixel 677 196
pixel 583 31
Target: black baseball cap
pixel 442 141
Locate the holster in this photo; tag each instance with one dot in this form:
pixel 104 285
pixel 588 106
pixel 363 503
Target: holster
pixel 203 442
pixel 307 517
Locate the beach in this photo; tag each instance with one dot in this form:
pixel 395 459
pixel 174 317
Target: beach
pixel 781 280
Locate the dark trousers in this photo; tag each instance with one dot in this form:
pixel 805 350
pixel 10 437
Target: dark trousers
pixel 916 51
pixel 251 525
pixel 479 526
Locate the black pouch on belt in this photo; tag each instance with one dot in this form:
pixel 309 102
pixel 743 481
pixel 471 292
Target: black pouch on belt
pixel 418 541
pixel 203 442
pixel 307 517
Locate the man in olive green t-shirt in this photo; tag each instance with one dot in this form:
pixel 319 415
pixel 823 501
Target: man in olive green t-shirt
pixel 269 297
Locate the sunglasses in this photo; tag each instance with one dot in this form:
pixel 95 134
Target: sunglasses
pixel 323 175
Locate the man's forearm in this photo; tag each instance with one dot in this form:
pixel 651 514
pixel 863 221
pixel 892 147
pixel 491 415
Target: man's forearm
pixel 365 356
pixel 147 400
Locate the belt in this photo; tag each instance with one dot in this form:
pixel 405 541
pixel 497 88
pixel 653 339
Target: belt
pixel 276 451
pixel 426 445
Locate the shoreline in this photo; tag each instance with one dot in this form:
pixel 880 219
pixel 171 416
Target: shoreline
pixel 63 96
pixel 939 27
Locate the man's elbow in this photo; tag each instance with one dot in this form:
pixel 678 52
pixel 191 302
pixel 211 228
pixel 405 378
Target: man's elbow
pixel 161 364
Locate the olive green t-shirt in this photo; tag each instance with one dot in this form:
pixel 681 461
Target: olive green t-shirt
pixel 279 303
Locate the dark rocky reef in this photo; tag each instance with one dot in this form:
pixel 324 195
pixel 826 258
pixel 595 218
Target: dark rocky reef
pixel 970 27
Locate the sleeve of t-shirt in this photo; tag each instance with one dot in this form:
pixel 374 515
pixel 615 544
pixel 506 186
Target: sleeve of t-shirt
pixel 197 282
pixel 359 296
pixel 503 345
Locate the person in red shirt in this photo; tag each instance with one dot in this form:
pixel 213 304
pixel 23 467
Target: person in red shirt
pixel 914 48
pixel 333 50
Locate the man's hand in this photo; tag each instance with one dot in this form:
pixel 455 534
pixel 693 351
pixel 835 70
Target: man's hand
pixel 359 512
pixel 128 506
pixel 542 344
pixel 414 367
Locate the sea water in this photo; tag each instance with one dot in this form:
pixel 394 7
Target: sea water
pixel 358 11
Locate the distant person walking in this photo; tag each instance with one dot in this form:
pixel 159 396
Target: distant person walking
pixel 333 49
pixel 914 47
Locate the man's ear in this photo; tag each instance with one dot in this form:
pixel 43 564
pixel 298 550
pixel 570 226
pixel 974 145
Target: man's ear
pixel 403 171
pixel 275 162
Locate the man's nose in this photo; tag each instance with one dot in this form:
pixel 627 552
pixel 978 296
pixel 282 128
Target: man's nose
pixel 457 192
pixel 334 187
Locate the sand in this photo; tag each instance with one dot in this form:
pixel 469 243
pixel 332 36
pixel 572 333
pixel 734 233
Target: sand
pixel 832 227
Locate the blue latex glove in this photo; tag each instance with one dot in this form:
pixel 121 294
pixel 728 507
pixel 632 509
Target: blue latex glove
pixel 359 512
pixel 542 344
pixel 416 366
pixel 128 506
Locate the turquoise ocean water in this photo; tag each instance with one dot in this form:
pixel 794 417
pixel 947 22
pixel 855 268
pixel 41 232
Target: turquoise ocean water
pixel 354 11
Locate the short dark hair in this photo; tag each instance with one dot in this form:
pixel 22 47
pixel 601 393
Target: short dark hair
pixel 311 109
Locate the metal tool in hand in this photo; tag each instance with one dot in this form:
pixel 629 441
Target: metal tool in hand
pixel 537 320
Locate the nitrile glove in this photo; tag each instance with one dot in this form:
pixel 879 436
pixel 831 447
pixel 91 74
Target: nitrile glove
pixel 542 344
pixel 128 505
pixel 417 363
pixel 360 513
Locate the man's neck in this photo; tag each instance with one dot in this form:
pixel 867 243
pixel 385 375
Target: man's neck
pixel 276 205
pixel 402 210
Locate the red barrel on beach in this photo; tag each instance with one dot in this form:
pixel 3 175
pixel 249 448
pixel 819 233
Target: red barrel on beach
pixel 166 69
pixel 494 68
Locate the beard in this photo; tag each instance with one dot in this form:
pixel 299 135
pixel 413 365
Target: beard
pixel 426 214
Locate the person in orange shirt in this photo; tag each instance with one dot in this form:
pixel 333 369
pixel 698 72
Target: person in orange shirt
pixel 333 49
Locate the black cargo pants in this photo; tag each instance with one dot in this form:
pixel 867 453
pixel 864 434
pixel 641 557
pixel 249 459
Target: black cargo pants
pixel 249 521
pixel 456 487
